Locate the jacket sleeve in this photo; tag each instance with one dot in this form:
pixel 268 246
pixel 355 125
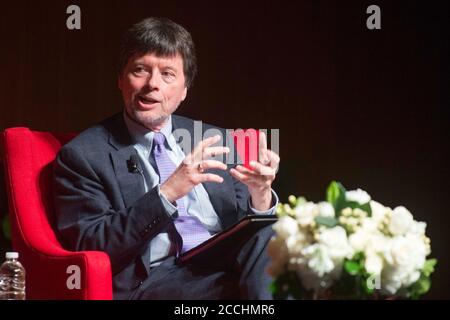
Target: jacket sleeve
pixel 86 219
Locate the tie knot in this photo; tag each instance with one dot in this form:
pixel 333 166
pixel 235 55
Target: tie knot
pixel 159 138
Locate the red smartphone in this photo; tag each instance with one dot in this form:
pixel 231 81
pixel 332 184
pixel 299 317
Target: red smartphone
pixel 247 143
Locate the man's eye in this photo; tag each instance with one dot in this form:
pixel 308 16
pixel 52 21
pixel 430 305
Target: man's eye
pixel 139 71
pixel 168 75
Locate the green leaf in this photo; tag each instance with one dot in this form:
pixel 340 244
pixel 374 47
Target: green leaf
pixel 285 285
pixel 334 192
pixel 352 267
pixel 358 257
pixel 423 285
pixel 336 196
pixel 365 288
pixel 276 287
pixel 428 268
pixel 420 287
pixel 366 207
pixel 329 222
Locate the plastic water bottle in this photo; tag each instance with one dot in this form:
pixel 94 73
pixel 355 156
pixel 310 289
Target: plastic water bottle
pixel 12 278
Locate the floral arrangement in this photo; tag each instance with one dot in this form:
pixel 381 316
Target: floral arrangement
pixel 350 247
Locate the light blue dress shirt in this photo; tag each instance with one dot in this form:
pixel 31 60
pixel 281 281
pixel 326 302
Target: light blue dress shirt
pixel 197 202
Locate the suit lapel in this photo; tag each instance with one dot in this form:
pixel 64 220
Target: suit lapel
pixel 131 183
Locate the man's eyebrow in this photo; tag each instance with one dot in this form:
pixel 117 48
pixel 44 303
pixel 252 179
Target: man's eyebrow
pixel 170 68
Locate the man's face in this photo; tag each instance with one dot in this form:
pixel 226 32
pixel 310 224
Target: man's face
pixel 152 88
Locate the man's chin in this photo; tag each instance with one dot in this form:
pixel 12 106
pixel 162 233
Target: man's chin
pixel 150 120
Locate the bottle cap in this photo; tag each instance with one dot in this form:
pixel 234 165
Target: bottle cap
pixel 12 255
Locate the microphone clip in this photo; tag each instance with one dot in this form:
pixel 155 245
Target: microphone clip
pixel 133 164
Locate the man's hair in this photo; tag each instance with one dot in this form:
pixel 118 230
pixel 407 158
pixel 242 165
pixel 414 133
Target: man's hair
pixel 162 37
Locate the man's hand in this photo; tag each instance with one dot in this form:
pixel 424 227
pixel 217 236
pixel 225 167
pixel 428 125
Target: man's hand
pixel 259 179
pixel 190 172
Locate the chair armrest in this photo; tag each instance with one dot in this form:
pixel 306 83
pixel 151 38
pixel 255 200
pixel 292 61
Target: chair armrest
pixel 82 275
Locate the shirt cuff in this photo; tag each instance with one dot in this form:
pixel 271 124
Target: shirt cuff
pixel 265 212
pixel 170 208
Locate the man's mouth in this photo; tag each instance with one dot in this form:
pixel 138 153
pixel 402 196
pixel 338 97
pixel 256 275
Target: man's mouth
pixel 147 101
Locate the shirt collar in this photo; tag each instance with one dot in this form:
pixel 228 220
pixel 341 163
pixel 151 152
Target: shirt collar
pixel 143 136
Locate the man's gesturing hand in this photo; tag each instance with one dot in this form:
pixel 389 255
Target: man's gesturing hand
pixel 259 179
pixel 191 171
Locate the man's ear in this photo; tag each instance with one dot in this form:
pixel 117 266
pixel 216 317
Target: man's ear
pixel 184 94
pixel 119 82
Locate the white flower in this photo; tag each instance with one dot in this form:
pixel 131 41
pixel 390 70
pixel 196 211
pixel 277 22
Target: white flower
pixel 405 257
pixel 358 195
pixel 401 221
pixel 305 213
pixel 369 225
pixel 358 240
pixel 318 259
pixel 377 243
pixel 393 244
pixel 285 227
pixel 317 270
pixel 393 279
pixel 378 211
pixel 326 209
pixel 418 228
pixel 406 252
pixel 320 263
pixel 296 243
pixel 363 235
pixel 373 264
pixel 335 240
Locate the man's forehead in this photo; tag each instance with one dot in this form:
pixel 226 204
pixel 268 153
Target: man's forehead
pixel 152 57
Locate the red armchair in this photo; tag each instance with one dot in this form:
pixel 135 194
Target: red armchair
pixel 28 157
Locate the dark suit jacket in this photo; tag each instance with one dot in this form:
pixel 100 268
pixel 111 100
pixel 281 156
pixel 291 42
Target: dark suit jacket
pixel 101 204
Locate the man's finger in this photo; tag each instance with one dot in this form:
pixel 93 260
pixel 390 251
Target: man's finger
pixel 262 169
pixel 262 150
pixel 213 164
pixel 209 141
pixel 214 151
pixel 246 171
pixel 238 175
pixel 274 159
pixel 197 153
pixel 210 177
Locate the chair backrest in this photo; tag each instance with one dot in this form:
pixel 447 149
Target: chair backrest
pixel 28 157
pixel 28 182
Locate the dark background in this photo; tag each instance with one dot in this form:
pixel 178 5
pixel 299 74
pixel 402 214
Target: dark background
pixel 367 108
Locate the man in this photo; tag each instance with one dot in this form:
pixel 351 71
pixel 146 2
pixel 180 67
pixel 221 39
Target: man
pixel 126 187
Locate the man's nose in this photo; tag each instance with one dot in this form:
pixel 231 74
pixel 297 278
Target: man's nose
pixel 154 81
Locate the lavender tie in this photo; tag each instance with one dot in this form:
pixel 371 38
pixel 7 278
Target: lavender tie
pixel 190 229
